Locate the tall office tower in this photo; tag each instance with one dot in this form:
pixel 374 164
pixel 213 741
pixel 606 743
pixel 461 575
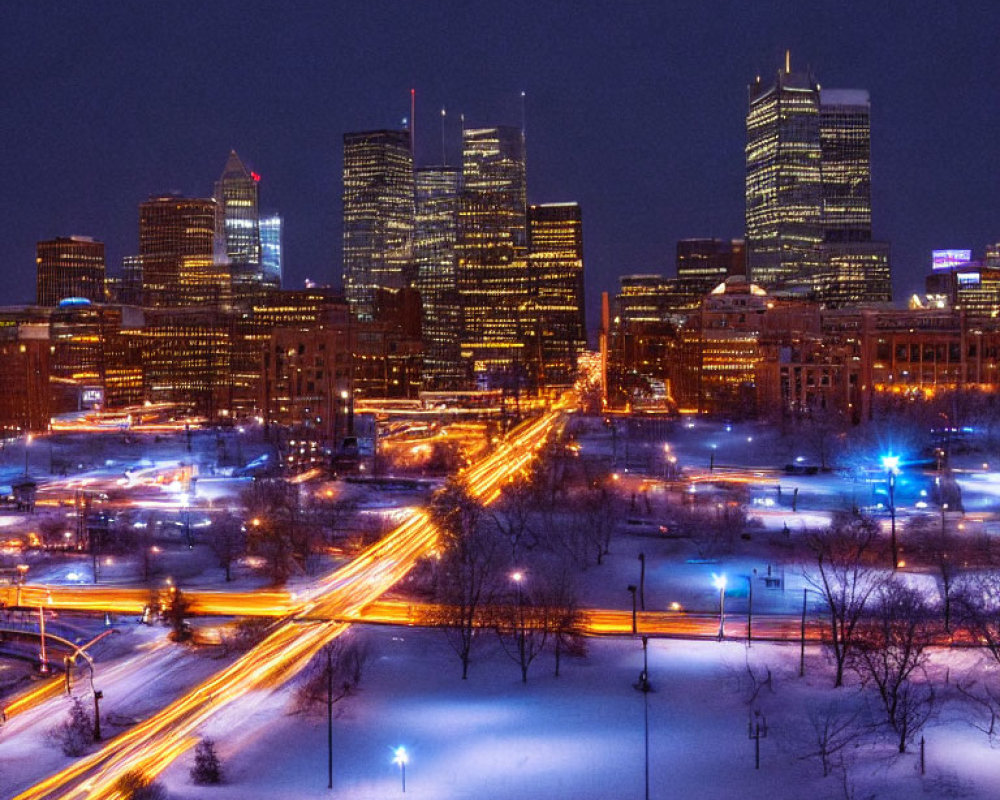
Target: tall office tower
pixel 845 145
pixel 853 268
pixel 378 216
pixel 555 246
pixel 69 266
pixel 238 224
pixel 177 252
pixel 270 250
pixel 784 197
pixel 702 264
pixel 493 284
pixel 435 238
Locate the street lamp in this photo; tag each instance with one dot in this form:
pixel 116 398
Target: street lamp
pixel 891 465
pixel 400 757
pixel 711 459
pixel 27 441
pixel 631 588
pixel 719 582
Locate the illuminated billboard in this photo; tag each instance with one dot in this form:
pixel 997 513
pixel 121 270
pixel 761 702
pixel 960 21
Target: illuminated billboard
pixel 945 259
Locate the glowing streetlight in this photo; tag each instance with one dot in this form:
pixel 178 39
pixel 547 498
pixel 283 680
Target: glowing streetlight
pixel 27 441
pixel 719 582
pixel 711 459
pixel 891 465
pixel 400 757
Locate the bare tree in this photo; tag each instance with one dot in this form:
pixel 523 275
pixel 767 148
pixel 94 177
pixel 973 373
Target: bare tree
pixel 176 613
pixel 565 617
pixel 522 620
pixel 833 726
pixel 938 546
pixel 979 602
pixel 890 655
pixel 276 531
pixel 333 674
pixel 845 556
pixel 599 514
pixel 228 541
pixel 468 569
pixel 984 698
pixel 512 517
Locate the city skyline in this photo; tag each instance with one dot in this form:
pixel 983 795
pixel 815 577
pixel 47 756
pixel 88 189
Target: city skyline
pixel 598 85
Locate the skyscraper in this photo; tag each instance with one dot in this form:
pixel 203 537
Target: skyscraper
pixel 435 239
pixel 845 146
pixel 808 192
pixel 492 259
pixel 270 250
pixel 177 252
pixel 784 198
pixel 70 266
pixel 378 216
pixel 555 237
pixel 239 226
pixel 702 264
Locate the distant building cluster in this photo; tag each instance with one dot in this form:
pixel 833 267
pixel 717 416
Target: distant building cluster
pixel 451 282
pixel 795 318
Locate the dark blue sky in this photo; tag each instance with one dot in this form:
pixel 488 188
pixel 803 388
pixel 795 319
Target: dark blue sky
pixel 636 110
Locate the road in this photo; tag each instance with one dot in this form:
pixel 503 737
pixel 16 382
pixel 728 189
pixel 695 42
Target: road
pixel 150 746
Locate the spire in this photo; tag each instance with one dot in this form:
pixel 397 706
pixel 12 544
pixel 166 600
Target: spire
pixel 788 61
pixel 234 168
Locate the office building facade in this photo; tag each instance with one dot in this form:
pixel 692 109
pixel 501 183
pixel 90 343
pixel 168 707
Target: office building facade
pixel 70 266
pixel 435 253
pixel 238 225
pixel 555 242
pixel 378 216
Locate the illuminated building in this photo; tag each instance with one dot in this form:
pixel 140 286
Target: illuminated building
pixel 92 363
pixel 853 273
pixel 270 250
pixel 967 286
pixel 702 264
pixel 238 224
pixel 177 253
pixel 70 266
pixel 378 216
pixel 808 193
pixel 718 351
pixel 436 234
pixel 185 356
pixel 24 376
pixel 555 241
pixel 845 145
pixel 784 197
pixel 493 280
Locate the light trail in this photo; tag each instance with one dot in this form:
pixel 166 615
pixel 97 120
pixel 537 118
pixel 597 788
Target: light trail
pixel 149 746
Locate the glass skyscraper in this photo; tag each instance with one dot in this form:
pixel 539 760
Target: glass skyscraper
pixel 784 197
pixel 378 216
pixel 69 266
pixel 436 235
pixel 270 250
pixel 238 224
pixel 493 283
pixel 808 192
pixel 555 237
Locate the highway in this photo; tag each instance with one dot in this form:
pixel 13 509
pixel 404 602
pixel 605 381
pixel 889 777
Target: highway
pixel 150 746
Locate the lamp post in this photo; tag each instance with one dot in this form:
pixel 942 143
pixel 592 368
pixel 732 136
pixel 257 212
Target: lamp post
pixel 518 578
pixel 642 581
pixel 802 635
pixel 891 465
pixel 631 588
pixel 750 605
pixel 711 459
pixel 27 441
pixel 400 757
pixel 44 667
pixel 719 581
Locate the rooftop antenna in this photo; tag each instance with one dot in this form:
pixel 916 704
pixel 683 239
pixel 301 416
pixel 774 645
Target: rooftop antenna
pixel 444 155
pixel 413 119
pixel 524 115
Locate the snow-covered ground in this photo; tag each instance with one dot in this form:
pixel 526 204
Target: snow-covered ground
pixel 577 736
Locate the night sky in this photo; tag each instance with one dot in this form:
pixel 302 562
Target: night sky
pixel 635 110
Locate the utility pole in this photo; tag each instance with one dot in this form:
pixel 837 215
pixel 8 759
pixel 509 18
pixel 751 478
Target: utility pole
pixel 98 696
pixel 329 717
pixel 642 581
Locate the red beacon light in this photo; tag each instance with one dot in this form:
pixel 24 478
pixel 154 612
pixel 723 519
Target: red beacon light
pixel 255 176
